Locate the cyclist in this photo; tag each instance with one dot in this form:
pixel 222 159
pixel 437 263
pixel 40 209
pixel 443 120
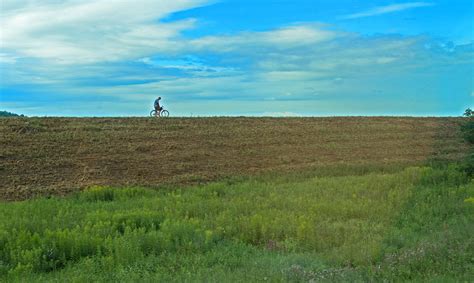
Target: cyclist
pixel 158 108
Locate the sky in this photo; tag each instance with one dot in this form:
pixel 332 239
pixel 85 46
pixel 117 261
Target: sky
pixel 237 58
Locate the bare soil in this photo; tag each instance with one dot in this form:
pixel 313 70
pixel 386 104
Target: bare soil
pixel 43 156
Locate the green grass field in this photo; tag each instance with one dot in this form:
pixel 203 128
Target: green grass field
pixel 409 224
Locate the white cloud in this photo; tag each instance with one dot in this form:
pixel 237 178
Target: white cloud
pixel 387 9
pixel 92 30
pixel 281 38
pixel 281 114
pixel 189 65
pixel 296 35
pixel 301 75
pixel 8 58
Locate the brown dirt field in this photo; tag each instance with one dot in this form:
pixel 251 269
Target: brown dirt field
pixel 41 156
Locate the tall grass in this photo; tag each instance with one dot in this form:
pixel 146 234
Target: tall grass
pixel 412 224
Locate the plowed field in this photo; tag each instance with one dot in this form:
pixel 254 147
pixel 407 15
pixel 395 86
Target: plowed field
pixel 41 156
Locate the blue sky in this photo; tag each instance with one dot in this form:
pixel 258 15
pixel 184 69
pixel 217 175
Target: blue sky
pixel 229 57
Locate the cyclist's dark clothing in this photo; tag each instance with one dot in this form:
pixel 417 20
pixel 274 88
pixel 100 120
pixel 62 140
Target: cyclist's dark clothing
pixel 157 105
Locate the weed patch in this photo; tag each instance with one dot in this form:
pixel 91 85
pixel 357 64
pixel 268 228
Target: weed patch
pixel 414 224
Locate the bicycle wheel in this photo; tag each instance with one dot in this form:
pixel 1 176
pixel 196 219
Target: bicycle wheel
pixel 164 113
pixel 153 113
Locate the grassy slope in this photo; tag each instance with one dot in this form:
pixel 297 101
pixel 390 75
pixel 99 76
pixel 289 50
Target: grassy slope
pixel 42 156
pixel 414 224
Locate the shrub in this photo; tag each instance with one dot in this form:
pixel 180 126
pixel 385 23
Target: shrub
pixel 9 114
pixel 468 112
pixel 468 165
pixel 467 129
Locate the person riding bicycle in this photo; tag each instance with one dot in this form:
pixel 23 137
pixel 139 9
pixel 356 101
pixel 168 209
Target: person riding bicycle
pixel 158 108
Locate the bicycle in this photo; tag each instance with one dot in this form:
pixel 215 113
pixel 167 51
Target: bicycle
pixel 163 113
